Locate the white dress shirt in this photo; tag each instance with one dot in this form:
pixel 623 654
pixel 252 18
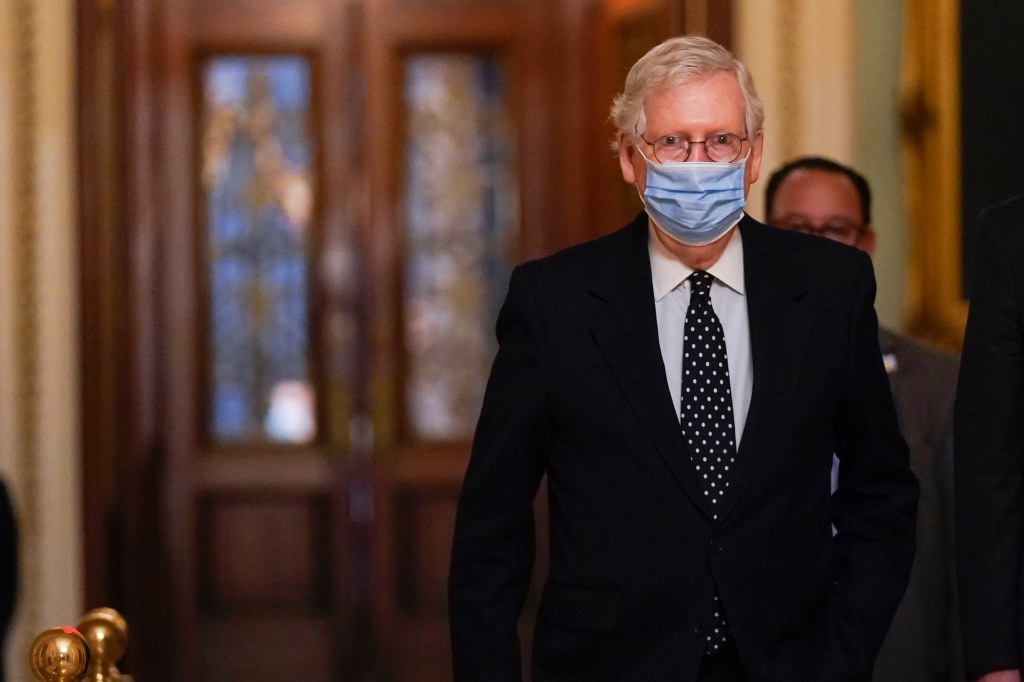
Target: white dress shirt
pixel 728 298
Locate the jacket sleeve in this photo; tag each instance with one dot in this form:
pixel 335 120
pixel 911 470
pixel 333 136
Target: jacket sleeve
pixel 874 508
pixel 8 563
pixel 989 459
pixel 493 546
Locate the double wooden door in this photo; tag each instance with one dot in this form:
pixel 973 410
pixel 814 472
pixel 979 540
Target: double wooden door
pixel 298 221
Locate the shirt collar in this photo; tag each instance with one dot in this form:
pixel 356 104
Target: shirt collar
pixel 668 272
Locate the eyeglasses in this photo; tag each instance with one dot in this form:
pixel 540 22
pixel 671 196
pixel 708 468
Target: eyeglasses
pixel 839 231
pixel 720 148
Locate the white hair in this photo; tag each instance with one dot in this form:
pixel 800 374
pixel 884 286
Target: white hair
pixel 672 63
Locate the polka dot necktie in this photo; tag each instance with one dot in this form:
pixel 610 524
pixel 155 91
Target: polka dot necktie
pixel 706 416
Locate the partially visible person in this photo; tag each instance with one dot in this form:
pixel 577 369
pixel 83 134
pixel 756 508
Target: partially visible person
pixel 8 568
pixel 820 196
pixel 989 452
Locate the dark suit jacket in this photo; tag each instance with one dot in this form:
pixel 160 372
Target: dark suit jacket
pixel 8 568
pixel 923 644
pixel 989 447
pixel 578 391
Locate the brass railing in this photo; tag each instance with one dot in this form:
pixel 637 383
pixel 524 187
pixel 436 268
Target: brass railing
pixel 89 651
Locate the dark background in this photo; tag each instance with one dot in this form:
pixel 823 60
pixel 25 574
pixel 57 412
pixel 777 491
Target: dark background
pixel 992 111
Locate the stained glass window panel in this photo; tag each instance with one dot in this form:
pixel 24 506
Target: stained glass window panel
pixel 258 193
pixel 461 223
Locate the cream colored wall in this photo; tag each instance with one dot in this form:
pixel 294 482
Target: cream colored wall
pixel 878 57
pixel 39 445
pixel 828 73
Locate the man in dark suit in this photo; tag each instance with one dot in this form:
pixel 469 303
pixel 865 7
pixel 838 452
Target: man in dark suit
pixel 683 383
pixel 819 196
pixel 989 452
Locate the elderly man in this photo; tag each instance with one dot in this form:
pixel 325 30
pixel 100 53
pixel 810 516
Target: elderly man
pixel 683 383
pixel 819 196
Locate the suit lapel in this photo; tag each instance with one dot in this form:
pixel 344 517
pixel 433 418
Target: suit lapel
pixel 778 337
pixel 625 328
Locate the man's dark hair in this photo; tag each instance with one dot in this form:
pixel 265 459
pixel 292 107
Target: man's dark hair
pixel 822 164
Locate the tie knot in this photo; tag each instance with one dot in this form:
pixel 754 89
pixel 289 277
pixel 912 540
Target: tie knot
pixel 700 282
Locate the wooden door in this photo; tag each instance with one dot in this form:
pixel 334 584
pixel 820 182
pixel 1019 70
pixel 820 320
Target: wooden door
pixel 261 329
pixel 298 218
pixel 433 341
pixel 381 142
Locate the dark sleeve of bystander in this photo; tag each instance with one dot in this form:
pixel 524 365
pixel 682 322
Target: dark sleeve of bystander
pixel 8 568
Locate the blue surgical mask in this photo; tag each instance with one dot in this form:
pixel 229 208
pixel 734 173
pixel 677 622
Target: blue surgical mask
pixel 695 202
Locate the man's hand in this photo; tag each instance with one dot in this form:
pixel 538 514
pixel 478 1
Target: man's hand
pixel 1000 676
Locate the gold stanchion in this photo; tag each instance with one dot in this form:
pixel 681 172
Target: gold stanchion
pixel 59 655
pixel 89 652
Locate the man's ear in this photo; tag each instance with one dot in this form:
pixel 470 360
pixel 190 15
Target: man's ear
pixel 627 151
pixel 754 162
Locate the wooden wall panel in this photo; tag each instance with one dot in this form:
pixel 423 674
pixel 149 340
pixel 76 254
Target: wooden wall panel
pixel 423 519
pixel 292 532
pixel 239 650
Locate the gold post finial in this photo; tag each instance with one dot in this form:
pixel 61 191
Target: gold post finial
pixel 59 654
pixel 107 634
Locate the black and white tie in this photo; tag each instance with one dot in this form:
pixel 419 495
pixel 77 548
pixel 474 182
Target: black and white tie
pixel 706 415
